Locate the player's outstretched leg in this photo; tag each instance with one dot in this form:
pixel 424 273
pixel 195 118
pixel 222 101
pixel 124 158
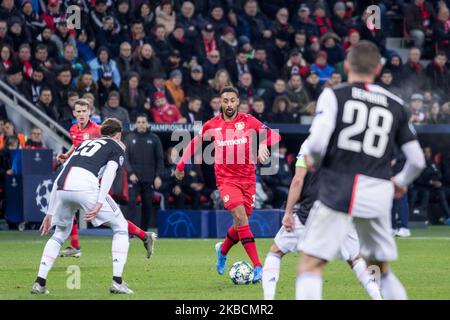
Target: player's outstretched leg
pixel 248 240
pixel 271 272
pixel 391 287
pixel 120 246
pixel 308 285
pixel 74 250
pixel 222 248
pixel 49 256
pixel 148 238
pixel 359 268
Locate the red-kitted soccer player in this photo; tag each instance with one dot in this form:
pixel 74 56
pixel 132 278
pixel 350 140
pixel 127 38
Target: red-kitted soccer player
pixel 86 129
pixel 233 134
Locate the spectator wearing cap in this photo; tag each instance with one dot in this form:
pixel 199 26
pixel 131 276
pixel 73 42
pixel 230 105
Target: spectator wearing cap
pixel 188 21
pixel 125 62
pixel 297 94
pixel 145 13
pixel 260 26
pixel 18 34
pixel 313 85
pixel 53 14
pixel 133 96
pixel 279 53
pixel 175 88
pixel 294 65
pixel 322 68
pixel 208 42
pixel 110 35
pixel 418 115
pixel 147 64
pixel 439 75
pixel 178 41
pixel 228 45
pixel 192 109
pixel 395 64
pixel 105 86
pixel 104 63
pixel 173 61
pixel 212 64
pixel 217 18
pixel 164 112
pixel 442 30
pixel 281 23
pixel 32 20
pixel 112 108
pixel 237 66
pixel 419 20
pixel 353 37
pixel 262 69
pixel 340 22
pixel 331 45
pixel 303 21
pixel 245 45
pixel 165 15
pixel 197 85
pixel 160 43
pixel 245 87
pixel 97 14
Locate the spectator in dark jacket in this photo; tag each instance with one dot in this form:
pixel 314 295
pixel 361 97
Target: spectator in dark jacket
pixel 105 86
pixel 212 64
pixel 237 65
pixel 419 19
pixel 281 110
pixel 340 22
pixel 430 183
pixel 413 77
pixel 262 69
pixel 260 25
pixel 160 43
pixel 193 185
pixel 180 42
pixel 133 97
pixel 46 104
pixel 147 64
pixel 192 109
pixel 171 186
pixel 259 112
pixel 125 62
pixel 303 21
pixel 197 85
pixel 395 65
pixel 144 163
pixel 439 75
pixel 441 30
pixel 278 89
pixel 331 45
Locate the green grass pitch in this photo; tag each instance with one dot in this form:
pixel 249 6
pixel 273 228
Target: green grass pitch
pixel 185 269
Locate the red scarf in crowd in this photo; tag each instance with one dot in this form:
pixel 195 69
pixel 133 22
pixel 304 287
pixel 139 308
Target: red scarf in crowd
pixel 209 46
pixel 27 69
pixel 324 25
pixel 417 67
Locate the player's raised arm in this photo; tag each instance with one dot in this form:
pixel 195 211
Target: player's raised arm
pixel 322 126
pixel 189 151
pixel 415 160
pixel 268 136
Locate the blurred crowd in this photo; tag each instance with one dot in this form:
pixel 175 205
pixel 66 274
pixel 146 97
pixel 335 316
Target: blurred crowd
pixel 169 60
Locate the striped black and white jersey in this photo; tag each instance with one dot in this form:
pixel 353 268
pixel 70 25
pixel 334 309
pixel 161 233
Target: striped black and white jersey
pixel 85 167
pixel 365 123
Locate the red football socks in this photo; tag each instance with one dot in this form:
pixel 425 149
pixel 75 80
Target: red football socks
pixel 230 240
pixel 136 231
pixel 248 241
pixel 74 243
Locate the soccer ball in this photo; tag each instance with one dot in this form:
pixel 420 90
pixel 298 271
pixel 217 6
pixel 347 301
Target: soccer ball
pixel 43 191
pixel 241 273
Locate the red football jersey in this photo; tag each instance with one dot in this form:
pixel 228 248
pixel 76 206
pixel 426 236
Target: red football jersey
pixel 234 143
pixel 91 131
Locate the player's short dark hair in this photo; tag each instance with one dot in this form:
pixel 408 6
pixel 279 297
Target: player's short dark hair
pixel 81 102
pixel 364 57
pixel 229 89
pixel 142 115
pixel 110 127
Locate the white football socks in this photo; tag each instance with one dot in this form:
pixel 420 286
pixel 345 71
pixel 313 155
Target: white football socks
pixel 391 287
pixel 308 286
pixel 366 280
pixel 120 246
pixel 51 252
pixel 271 273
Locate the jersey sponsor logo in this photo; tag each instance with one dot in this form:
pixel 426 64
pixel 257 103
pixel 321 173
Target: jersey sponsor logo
pixel 217 129
pixel 85 136
pixel 226 198
pixel 239 125
pixel 227 143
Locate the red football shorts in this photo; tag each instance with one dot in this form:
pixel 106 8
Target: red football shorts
pixel 234 194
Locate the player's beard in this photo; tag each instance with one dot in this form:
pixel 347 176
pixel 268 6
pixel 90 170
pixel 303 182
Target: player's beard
pixel 228 115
